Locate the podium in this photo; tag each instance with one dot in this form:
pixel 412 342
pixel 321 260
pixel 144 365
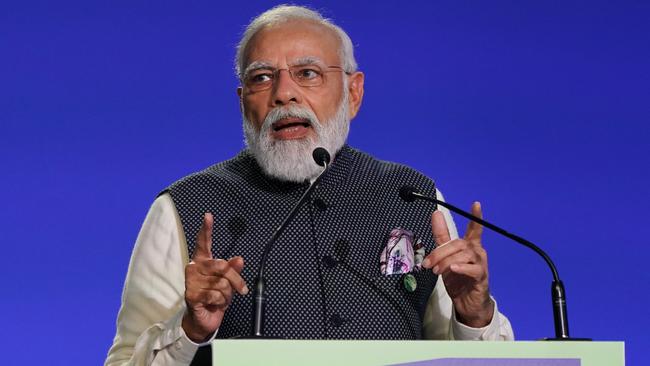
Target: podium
pixel 416 353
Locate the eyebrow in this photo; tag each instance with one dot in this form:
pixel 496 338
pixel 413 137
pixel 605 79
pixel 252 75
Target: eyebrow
pixel 257 65
pixel 261 64
pixel 308 60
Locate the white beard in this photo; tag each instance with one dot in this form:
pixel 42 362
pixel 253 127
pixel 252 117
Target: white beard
pixel 291 160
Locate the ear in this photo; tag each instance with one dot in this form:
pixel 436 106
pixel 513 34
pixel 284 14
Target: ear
pixel 241 101
pixel 355 89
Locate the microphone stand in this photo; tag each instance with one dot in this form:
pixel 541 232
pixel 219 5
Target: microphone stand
pixel 322 158
pixel 558 293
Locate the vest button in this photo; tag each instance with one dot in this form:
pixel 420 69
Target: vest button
pixel 320 204
pixel 329 262
pixel 336 320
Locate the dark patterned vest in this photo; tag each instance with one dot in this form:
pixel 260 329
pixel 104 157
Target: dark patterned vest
pixel 323 274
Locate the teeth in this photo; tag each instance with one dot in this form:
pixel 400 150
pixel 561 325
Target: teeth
pixel 278 128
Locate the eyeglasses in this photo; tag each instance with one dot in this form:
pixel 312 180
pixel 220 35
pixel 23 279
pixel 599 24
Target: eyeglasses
pixel 307 76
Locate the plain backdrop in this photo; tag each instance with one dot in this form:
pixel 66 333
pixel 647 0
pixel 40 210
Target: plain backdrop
pixel 538 109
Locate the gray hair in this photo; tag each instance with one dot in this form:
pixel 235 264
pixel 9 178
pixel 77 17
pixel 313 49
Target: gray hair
pixel 284 13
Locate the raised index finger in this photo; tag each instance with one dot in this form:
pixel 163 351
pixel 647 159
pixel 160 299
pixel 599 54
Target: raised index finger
pixel 204 238
pixel 439 228
pixel 474 229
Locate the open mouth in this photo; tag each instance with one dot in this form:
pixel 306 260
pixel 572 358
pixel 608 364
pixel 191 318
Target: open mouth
pixel 289 122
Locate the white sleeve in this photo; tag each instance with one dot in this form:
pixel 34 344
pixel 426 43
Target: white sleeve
pixel 149 328
pixel 440 318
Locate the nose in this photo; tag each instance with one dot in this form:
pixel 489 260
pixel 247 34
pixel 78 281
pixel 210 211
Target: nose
pixel 285 90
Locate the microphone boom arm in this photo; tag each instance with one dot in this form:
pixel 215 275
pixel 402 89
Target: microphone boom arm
pixel 518 239
pixel 322 158
pixel 560 317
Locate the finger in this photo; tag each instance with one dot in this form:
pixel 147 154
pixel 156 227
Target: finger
pixel 237 263
pixel 474 229
pixel 220 267
pixel 461 257
pixel 472 270
pixel 204 238
pixel 209 290
pixel 439 228
pixel 213 298
pixel 205 297
pixel 192 296
pixel 210 282
pixel 221 284
pixel 441 252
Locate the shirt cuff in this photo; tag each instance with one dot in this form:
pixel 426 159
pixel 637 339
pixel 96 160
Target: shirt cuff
pixel 177 343
pixel 186 338
pixel 490 332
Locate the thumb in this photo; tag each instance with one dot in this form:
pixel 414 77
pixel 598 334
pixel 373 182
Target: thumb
pixel 439 228
pixel 237 263
pixel 204 238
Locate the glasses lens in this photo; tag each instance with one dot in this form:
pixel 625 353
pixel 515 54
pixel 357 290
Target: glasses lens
pixel 307 75
pixel 259 79
pixel 303 75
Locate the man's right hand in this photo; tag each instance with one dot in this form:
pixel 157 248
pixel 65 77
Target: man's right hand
pixel 209 285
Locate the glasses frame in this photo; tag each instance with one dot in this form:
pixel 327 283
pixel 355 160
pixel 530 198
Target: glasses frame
pixel 276 74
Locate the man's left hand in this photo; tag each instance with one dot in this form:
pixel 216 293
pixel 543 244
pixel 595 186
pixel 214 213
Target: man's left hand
pixel 462 263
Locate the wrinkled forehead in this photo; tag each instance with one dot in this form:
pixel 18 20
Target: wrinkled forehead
pixel 293 42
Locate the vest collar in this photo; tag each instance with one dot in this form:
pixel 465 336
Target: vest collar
pixel 338 172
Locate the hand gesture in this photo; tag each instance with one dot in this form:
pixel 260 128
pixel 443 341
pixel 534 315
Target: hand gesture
pixel 209 285
pixel 462 263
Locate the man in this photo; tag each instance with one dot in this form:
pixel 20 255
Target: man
pixel 335 272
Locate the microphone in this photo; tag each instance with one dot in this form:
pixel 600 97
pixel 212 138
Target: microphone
pixel 322 158
pixel 407 193
pixel 410 194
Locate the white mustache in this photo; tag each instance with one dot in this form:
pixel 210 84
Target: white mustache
pixel 293 111
pixel 291 160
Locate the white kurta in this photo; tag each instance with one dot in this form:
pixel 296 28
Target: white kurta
pixel 149 328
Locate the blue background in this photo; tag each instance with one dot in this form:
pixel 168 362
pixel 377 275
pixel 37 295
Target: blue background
pixel 537 109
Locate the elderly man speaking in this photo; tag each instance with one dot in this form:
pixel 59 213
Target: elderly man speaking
pixel 355 262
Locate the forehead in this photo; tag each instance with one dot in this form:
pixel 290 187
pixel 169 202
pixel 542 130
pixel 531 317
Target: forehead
pixel 286 42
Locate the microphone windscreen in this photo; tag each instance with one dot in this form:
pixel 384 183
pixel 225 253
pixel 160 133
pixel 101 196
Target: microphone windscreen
pixel 406 193
pixel 321 156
